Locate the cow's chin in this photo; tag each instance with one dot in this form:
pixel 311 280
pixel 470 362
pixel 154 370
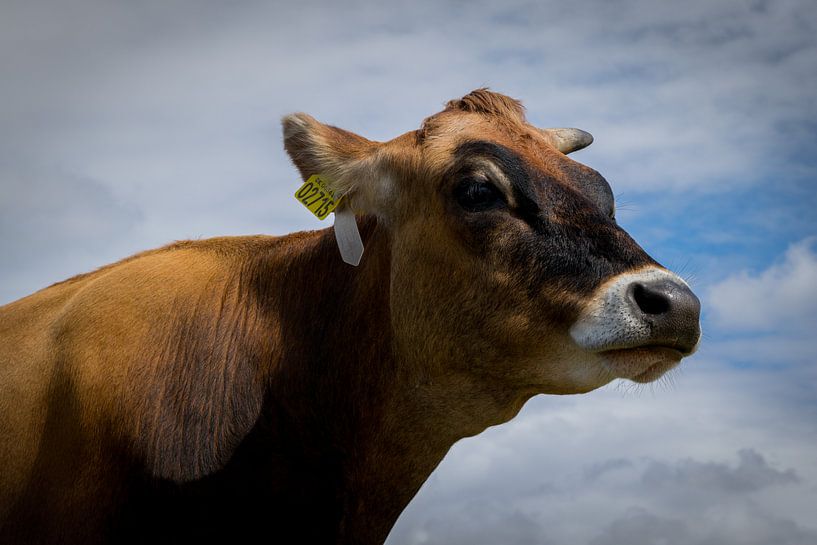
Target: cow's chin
pixel 641 364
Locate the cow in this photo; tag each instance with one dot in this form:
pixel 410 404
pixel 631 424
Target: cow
pixel 259 388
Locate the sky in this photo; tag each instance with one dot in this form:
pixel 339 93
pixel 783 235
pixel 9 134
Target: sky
pixel 126 125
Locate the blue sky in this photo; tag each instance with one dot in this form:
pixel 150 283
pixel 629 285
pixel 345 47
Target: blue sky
pixel 124 126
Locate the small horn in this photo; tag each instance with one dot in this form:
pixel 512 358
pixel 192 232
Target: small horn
pixel 570 140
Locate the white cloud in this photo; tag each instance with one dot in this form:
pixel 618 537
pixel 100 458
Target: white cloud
pixel 781 298
pixel 172 110
pixel 173 107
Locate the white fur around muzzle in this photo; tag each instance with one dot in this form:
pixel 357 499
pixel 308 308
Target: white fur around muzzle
pixel 610 322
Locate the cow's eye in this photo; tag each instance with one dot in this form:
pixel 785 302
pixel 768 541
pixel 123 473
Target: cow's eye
pixel 477 195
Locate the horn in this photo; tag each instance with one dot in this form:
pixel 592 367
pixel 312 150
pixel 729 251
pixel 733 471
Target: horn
pixel 569 140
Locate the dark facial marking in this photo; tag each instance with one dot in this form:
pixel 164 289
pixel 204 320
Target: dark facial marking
pixel 478 195
pixel 592 185
pixel 573 239
pixel 511 165
pixel 585 180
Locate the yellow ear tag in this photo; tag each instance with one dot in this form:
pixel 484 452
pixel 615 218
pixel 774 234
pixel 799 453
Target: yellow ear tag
pixel 317 197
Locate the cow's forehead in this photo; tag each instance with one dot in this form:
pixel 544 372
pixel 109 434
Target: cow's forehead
pixel 450 131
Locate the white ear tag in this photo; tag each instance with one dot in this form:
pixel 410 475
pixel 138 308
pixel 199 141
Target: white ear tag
pixel 347 235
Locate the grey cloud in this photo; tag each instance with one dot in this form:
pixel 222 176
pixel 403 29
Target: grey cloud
pixel 596 470
pixel 55 224
pixel 477 522
pixel 758 528
pixel 683 502
pixel 642 488
pixel 640 527
pixel 751 474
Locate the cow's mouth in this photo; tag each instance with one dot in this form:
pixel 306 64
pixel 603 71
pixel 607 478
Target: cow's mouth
pixel 641 364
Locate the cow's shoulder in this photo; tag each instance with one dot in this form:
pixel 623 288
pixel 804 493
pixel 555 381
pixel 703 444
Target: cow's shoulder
pixel 165 351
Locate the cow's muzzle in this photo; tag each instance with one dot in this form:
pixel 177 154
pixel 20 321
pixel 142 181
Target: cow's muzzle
pixel 672 311
pixel 641 321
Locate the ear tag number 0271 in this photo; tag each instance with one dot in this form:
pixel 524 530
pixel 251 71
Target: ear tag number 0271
pixel 317 197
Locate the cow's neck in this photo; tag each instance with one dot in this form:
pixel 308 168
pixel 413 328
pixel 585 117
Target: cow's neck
pixel 386 422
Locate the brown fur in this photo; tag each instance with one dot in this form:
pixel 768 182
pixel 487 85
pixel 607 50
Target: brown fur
pixel 223 389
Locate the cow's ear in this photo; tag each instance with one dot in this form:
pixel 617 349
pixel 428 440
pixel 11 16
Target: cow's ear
pixel 353 165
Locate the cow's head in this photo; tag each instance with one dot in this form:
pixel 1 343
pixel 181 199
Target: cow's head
pixel 507 264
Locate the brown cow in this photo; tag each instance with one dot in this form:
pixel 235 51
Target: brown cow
pixel 258 388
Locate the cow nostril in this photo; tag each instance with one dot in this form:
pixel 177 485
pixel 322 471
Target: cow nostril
pixel 650 301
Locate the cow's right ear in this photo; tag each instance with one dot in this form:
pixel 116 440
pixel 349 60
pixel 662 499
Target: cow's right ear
pixel 352 164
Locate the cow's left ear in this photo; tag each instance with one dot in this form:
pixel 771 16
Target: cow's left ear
pixel 352 164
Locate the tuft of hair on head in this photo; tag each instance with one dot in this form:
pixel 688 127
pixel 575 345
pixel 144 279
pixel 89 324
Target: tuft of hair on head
pixel 485 101
pixel 501 108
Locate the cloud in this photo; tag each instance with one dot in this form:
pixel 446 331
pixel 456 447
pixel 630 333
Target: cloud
pixel 53 223
pixel 727 456
pixel 597 470
pixel 694 489
pixel 481 521
pixel 782 297
pixel 173 108
pixel 683 502
pixel 639 527
pixel 675 99
pixel 751 474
